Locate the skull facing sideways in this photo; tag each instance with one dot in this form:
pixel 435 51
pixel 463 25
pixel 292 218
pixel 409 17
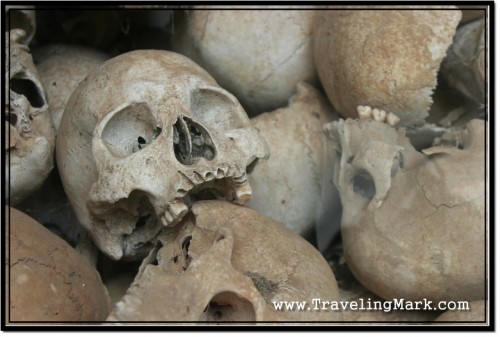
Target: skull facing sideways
pixel 30 138
pixel 144 136
pixel 226 262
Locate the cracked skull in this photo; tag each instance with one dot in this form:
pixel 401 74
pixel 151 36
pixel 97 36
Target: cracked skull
pixel 144 136
pixel 225 262
pixel 30 143
pixel 413 222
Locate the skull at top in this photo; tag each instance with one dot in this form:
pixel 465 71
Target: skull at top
pixel 144 136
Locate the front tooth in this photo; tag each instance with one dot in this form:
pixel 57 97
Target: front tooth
pixel 175 212
pixel 166 219
pixel 178 209
pixel 243 193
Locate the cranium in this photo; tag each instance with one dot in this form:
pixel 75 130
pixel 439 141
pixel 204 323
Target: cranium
pixel 413 223
pixel 30 142
pixel 227 262
pixel 142 137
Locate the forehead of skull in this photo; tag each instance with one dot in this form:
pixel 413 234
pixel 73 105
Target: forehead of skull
pixel 150 76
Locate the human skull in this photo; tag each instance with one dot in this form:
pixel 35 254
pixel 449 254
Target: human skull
pixel 287 187
pixel 30 136
pixel 62 67
pixel 227 262
pixel 382 57
pixel 273 44
pixel 413 223
pixel 142 137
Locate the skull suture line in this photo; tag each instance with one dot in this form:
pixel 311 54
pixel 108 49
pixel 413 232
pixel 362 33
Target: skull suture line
pixel 144 136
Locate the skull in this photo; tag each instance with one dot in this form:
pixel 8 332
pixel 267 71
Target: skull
pixel 30 137
pixel 227 262
pixel 413 223
pixel 141 138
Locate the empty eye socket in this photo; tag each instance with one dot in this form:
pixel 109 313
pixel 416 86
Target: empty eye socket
pixel 216 109
pixel 130 130
pixel 29 90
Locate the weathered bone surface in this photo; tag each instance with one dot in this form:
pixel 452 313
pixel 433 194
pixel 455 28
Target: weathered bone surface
pixel 49 280
pixel 61 68
pixel 386 59
pixel 413 223
pixel 142 137
pixel 226 262
pixel 29 142
pixel 276 55
pixel 287 186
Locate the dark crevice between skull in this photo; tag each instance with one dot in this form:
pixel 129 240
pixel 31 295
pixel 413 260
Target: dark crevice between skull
pixel 228 307
pixel 29 90
pixel 216 189
pixel 363 185
pixel 191 141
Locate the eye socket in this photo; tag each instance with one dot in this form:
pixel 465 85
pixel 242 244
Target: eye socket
pixel 215 108
pixel 28 89
pixel 130 130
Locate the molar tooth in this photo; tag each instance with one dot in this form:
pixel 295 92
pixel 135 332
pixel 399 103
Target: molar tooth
pixel 166 219
pixel 364 112
pixel 392 119
pixel 242 193
pixel 174 214
pixel 178 209
pixel 379 115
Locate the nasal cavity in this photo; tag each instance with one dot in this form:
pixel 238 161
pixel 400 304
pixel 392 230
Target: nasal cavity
pixel 192 141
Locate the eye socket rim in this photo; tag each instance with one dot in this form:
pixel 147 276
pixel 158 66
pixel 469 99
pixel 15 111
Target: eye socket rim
pixel 236 109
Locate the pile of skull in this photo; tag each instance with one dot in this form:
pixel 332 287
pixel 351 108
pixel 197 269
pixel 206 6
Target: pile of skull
pixel 195 174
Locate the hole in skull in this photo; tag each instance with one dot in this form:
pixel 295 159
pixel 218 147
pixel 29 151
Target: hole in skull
pixel 29 90
pixel 229 307
pixel 141 222
pixel 191 141
pixel 12 118
pixel 364 185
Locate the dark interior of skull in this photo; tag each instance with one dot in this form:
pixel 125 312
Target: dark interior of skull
pixel 28 89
